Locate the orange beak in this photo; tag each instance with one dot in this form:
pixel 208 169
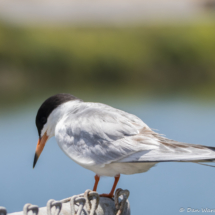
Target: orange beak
pixel 40 145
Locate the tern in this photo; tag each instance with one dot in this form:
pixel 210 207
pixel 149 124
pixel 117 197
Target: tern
pixel 108 141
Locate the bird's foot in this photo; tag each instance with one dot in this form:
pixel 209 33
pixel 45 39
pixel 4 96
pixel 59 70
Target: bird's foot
pixel 107 195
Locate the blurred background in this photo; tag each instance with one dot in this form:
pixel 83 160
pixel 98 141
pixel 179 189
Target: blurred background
pixel 155 59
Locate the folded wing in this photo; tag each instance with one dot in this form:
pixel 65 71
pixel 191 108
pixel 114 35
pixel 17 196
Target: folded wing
pixel 97 134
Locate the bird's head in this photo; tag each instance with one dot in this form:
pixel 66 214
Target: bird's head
pixel 47 117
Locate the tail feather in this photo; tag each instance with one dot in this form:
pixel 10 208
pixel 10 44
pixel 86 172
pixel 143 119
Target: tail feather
pixel 171 150
pixel 204 164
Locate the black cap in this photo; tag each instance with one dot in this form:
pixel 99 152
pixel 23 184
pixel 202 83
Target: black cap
pixel 48 106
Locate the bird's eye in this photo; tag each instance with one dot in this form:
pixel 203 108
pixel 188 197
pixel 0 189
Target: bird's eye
pixel 43 120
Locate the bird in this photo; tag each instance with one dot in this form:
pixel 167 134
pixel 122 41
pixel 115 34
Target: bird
pixel 109 141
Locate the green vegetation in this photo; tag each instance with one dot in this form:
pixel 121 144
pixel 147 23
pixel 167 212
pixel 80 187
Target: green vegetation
pixel 148 60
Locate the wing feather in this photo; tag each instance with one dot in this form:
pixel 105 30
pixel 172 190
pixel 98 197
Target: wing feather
pixel 97 134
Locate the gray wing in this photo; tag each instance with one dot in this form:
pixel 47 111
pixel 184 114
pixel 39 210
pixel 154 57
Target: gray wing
pixel 97 134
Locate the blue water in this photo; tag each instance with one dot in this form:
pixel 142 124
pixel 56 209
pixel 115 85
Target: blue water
pixel 164 189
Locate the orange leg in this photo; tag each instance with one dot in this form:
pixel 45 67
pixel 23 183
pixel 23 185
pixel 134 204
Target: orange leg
pixel 110 195
pixel 96 182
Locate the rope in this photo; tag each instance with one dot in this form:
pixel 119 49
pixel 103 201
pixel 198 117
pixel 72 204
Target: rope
pixel 90 199
pixel 52 203
pixel 94 197
pixel 121 205
pixel 29 207
pixel 74 200
pixel 3 211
